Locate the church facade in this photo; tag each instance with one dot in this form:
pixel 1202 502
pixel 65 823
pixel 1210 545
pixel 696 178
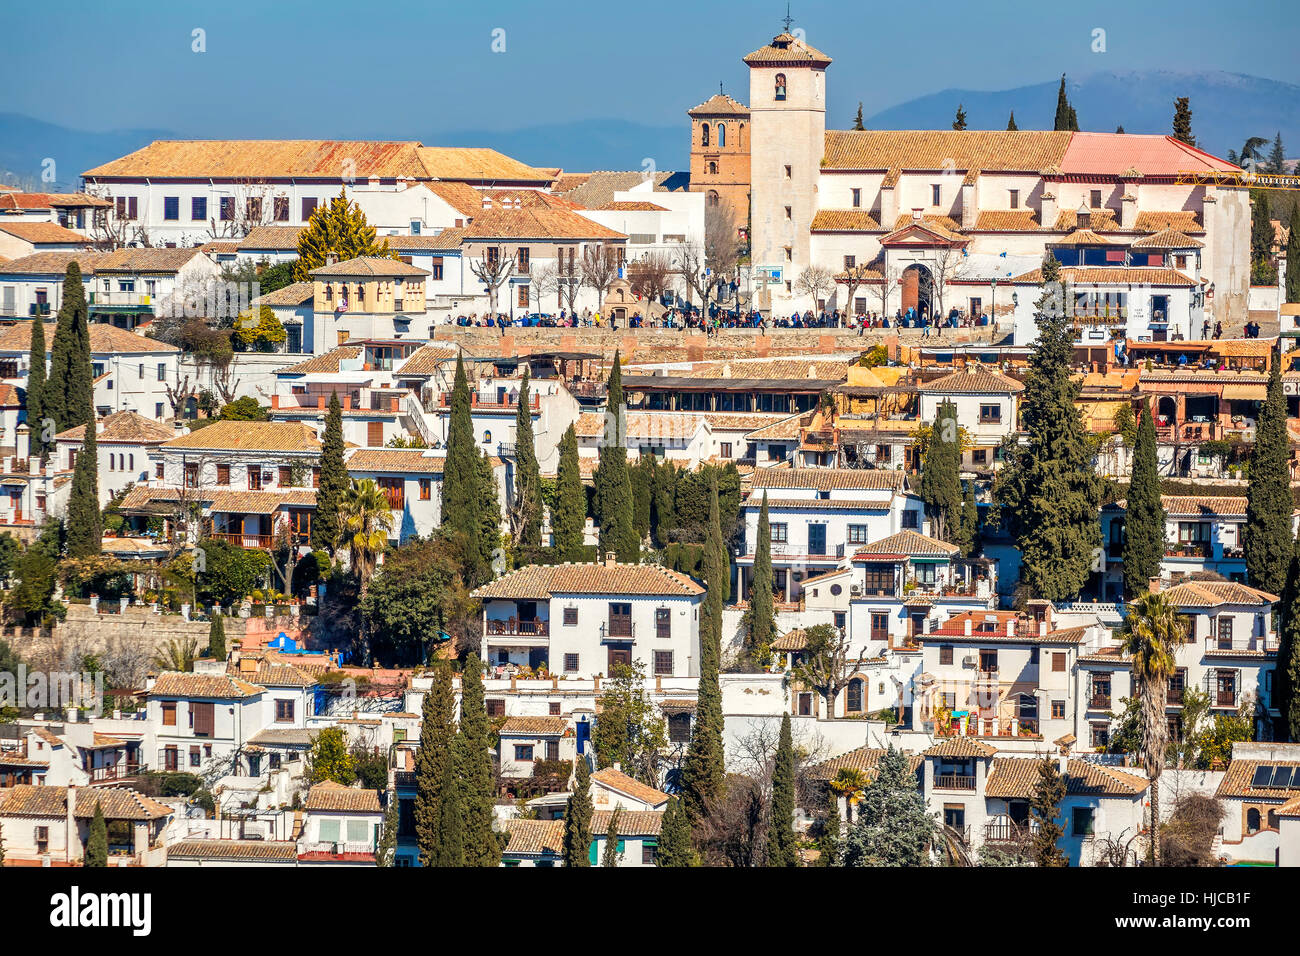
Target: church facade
pixel 935 220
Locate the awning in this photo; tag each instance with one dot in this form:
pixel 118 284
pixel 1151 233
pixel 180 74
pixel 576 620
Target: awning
pixel 1245 393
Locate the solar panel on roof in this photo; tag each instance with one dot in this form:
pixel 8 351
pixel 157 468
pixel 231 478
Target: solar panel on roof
pixel 1262 776
pixel 1282 777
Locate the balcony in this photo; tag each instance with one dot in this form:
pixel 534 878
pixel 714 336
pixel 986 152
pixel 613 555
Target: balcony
pixel 1249 646
pixel 491 400
pixel 1190 549
pixel 513 628
pixel 1008 832
pixel 1190 432
pixel 1098 701
pixel 262 541
pixel 954 781
pixel 336 849
pixel 125 771
pixel 617 631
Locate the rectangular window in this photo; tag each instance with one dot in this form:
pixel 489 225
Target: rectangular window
pixel 649 852
pixel 805 704
pixel 850 262
pixel 552 750
pixel 284 710
pixel 523 753
pixel 1225 632
pixel 329 831
pixel 254 477
pixel 1081 824
pixel 1058 662
pixel 570 616
pixel 195 759
pixel 521 260
pixel 523 296
pixel 285 478
pixel 553 708
pixel 191 476
pixel 169 713
pixel 253 209
pixel 663 664
pixel 495 707
pixel 199 208
pixel 1095 199
pixel 435 270
pixel 171 208
pixel 570 663
pixel 857 198
pixel 789 213
pixel 1058 710
pixel 201 718
pixel 911 520
pixel 780 532
pixel 426 489
pixel 979 456
pixel 724 449
pixel 936 194
pixel 1015 198
pixel 223 474
pixel 226 208
pixel 857 534
pixel 990 414
pixel 280 205
pixel 787 172
pixel 945 654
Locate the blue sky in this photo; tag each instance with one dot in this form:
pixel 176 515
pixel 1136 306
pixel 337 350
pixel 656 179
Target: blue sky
pixel 414 69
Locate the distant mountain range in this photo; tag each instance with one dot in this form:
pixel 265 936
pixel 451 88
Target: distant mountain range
pixel 1226 109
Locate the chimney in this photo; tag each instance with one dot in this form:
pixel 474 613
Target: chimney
pixel 1153 585
pixel 1011 627
pixel 966 628
pixel 1042 628
pixel 73 843
pixel 70 713
pixel 23 441
pixel 618 767
pixel 1063 762
pixel 916 214
pixel 611 559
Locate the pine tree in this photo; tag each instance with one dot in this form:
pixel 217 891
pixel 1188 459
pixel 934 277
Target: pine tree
pixel 959 122
pixel 569 517
pixel 675 846
pixel 781 846
pixel 528 478
pixel 1286 678
pixel 857 120
pixel 1144 518
pixel 97 841
pixel 762 606
pixel 1183 121
pixel 69 397
pixel 482 845
pixel 1045 805
pixel 217 638
pixel 333 482
pixel 436 734
pixel 339 230
pixel 1276 156
pixel 36 412
pixel 1065 121
pixel 940 480
pixel 463 494
pixel 702 768
pixel 451 838
pixel 1119 129
pixel 612 854
pixel 893 827
pixel 85 522
pixel 1293 257
pixel 613 485
pixel 386 851
pixel 1011 123
pixel 1261 231
pixel 1268 540
pixel 577 818
pixel 1049 492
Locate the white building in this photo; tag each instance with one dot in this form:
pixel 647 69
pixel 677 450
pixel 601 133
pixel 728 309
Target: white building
pixel 125 442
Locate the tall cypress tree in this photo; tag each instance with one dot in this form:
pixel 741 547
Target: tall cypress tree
pixel 462 489
pixel 969 531
pixel 940 473
pixel 1144 518
pixel 762 606
pixel 1268 539
pixel 577 818
pixel 69 397
pixel 217 638
pixel 1183 121
pixel 857 120
pixel 528 478
pixel 675 845
pixel 451 838
pixel 613 484
pixel 436 734
pixel 702 769
pixel 959 121
pixel 781 848
pixel 569 517
pixel 1049 492
pixel 1045 804
pixel 36 412
pixel 611 855
pixel 96 854
pixel 1066 119
pixel 1293 257
pixel 1286 678
pixel 482 845
pixel 1011 123
pixel 333 482
pixel 1261 233
pixel 85 522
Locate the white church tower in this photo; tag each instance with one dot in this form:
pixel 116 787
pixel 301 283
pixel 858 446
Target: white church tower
pixel 787 103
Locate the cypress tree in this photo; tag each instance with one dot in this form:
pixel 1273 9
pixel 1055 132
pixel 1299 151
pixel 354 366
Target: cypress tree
pixel 959 121
pixel 1293 257
pixel 1066 119
pixel 1144 518
pixel 462 491
pixel 968 538
pixel 489 513
pixel 1276 156
pixel 781 849
pixel 613 485
pixel 2 846
pixel 528 478
pixel 1183 121
pixel 333 482
pixel 1286 678
pixel 830 840
pixel 85 522
pixel 857 120
pixel 1261 233
pixel 450 841
pixel 36 411
pixel 96 854
pixel 217 638
pixel 482 846
pixel 436 735
pixel 702 768
pixel 940 473
pixel 718 541
pixel 1268 539
pixel 570 515
pixel 1011 123
pixel 643 484
pixel 611 856
pixel 762 605
pixel 386 851
pixel 1045 805
pixel 69 399
pixel 1049 492
pixel 675 847
pixel 577 818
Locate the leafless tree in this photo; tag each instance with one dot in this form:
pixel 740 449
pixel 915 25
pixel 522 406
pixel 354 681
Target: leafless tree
pixel 227 387
pixel 599 268
pixel 108 231
pixel 950 264
pixel 721 241
pixel 179 394
pixel 826 666
pixel 853 278
pixel 494 268
pixel 889 279
pixel 816 282
pixel 651 276
pixel 251 204
pixel 546 280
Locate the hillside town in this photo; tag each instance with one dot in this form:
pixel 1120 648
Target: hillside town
pixel 851 498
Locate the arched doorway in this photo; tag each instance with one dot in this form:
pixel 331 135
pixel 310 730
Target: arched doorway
pixel 1166 411
pixel 917 287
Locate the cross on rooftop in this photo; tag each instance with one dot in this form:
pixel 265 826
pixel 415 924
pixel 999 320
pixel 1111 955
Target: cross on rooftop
pixel 788 19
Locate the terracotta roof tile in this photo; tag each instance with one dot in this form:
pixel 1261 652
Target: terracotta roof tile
pixel 281 238
pixel 866 760
pixel 331 797
pixel 844 220
pixel 908 542
pixel 250 436
pixel 536 223
pixel 42 233
pixel 787 48
pixel 1167 239
pixel 719 104
pixel 631 823
pixel 126 426
pixel 1112 275
pixel 1099 220
pixel 1216 593
pixel 534 727
pixel 294 294
pixel 1184 221
pixel 235 851
pixel 118 803
pixel 216 686
pixel 414 461
pixel 368 266
pixel 541 581
pixel 1239 777
pixel 973 379
pixel 1007 220
pixel 325 362
pixel 426 359
pixel 960 747
pixel 1016 777
pixel 52 262
pixel 621 782
pixel 534 837
pixel 961 151
pixel 828 479
pixel 160 260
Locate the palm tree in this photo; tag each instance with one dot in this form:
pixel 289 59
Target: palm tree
pixel 1151 631
pixel 177 655
pixel 849 782
pixel 366 517
pixel 1250 150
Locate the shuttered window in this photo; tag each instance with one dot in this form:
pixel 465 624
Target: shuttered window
pixel 203 719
